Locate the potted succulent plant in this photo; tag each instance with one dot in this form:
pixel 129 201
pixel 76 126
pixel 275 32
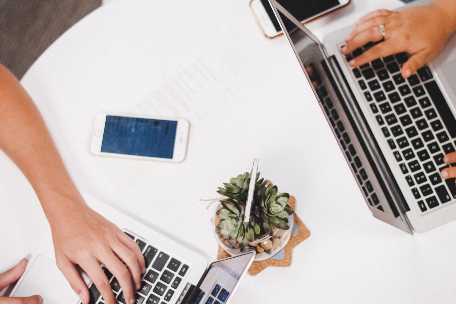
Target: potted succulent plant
pixel 268 229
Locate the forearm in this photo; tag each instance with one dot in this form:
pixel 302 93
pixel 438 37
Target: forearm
pixel 448 11
pixel 26 140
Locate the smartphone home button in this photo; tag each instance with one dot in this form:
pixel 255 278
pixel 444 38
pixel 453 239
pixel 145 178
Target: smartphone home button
pixel 97 133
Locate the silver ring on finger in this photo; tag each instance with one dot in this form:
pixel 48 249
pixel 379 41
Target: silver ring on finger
pixel 382 31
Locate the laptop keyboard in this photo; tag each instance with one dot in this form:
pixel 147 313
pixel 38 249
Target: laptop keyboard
pixel 416 122
pixel 164 275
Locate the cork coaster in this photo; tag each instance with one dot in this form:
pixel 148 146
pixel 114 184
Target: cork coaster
pixel 284 257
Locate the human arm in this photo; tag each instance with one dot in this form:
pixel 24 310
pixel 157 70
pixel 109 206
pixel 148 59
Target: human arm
pixel 80 235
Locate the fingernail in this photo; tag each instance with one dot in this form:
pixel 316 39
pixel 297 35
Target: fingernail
pixel 143 270
pixel 444 174
pixel 132 301
pixel 40 300
pixel 408 73
pixel 138 286
pixel 352 62
pixel 81 296
pixel 343 49
pixel 348 38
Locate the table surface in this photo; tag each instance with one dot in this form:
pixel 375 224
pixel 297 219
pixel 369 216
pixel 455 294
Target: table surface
pixel 206 61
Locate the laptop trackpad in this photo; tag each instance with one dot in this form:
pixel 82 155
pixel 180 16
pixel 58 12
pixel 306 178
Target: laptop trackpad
pixel 45 279
pixel 449 71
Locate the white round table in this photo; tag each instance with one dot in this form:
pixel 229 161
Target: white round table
pixel 245 96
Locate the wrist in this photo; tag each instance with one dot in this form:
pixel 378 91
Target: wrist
pixel 446 9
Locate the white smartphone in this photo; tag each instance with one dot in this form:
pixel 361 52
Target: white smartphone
pixel 150 138
pixel 303 10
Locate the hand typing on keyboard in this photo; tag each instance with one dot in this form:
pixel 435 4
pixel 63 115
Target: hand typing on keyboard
pixel 11 276
pixel 449 172
pixel 421 31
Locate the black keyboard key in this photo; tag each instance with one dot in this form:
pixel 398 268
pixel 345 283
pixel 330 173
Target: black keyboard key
pixel 423 155
pixel 401 57
pixel 183 270
pixel 416 113
pixel 167 276
pixel 151 276
pixel 400 109
pixel 374 85
pixel 365 192
pixel 430 114
pixel 391 119
pixel 402 142
pixel 160 261
pixel 442 137
pixel 397 156
pixel 429 167
pixel 426 190
pixel 397 130
pixel 422 206
pixel 368 96
pixel 352 150
pixel 337 133
pixel 388 59
pixel 436 125
pixel 416 193
pixel 94 294
pixel 392 144
pixel 410 180
pixel 323 91
pixel 394 97
pixel 358 162
pixel 209 300
pixel 439 159
pixel 121 299
pixel 169 294
pixel 362 84
pixel 388 86
pixel 335 115
pixel 357 73
pixel 115 286
pixel 377 64
pixel 417 143
pixel 131 236
pixel 385 107
pixel 363 174
pixel 326 110
pixel 414 166
pixel 332 122
pixel 176 282
pixel 139 299
pixel 413 80
pixel 442 193
pixel 398 79
pixel 393 67
pixel 357 52
pixel 346 138
pixel 223 295
pixel 433 147
pixel 141 244
pixel 149 255
pixel 428 136
pixel 368 46
pixel 425 102
pixel 383 75
pixel 375 199
pixel 153 299
pixel 368 74
pixel 404 90
pixel 374 108
pixel 448 148
pixel 411 132
pixel 432 202
pixel 435 178
pixel 354 167
pixel 174 264
pixel 442 107
pixel 419 91
pixel 379 96
pixel 451 184
pixel 422 124
pixel 145 288
pixel 369 187
pixel 420 178
pixel 380 120
pixel 408 154
pixel 410 101
pixel 425 74
pixel 160 289
pixel 107 273
pixel 404 168
pixel 406 120
pixel 329 103
pixel 348 156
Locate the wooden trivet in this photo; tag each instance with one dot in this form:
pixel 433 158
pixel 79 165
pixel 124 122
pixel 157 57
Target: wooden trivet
pixel 284 257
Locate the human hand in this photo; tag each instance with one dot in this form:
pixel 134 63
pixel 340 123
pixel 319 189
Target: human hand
pixel 11 276
pixel 421 31
pixel 83 237
pixel 450 172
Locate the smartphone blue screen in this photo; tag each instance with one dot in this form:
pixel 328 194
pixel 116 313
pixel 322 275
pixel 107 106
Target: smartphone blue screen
pixel 139 137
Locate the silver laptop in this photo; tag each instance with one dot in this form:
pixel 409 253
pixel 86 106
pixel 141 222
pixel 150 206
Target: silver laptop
pixel 174 273
pixel 393 132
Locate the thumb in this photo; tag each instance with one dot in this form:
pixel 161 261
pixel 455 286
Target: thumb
pixel 415 62
pixel 13 274
pixel 34 299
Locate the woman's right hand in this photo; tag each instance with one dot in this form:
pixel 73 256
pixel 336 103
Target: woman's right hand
pixel 11 276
